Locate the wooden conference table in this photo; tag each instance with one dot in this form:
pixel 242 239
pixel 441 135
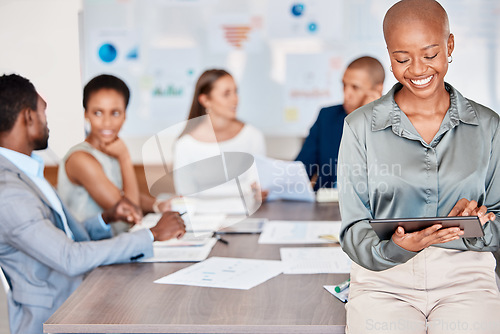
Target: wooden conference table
pixel 123 298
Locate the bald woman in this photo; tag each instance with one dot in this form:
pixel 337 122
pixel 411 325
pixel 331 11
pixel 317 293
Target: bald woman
pixel 425 151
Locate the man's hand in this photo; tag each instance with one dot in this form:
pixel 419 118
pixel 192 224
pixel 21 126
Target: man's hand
pixel 464 207
pixel 419 240
pixel 169 226
pixel 123 210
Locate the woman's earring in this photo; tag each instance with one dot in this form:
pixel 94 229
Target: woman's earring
pixel 450 59
pixel 390 68
pixel 87 126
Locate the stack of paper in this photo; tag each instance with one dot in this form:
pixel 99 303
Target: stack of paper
pixel 198 224
pixel 187 240
pixel 166 253
pixel 192 247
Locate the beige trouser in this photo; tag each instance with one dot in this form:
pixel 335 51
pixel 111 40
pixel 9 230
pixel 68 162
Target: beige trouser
pixel 438 291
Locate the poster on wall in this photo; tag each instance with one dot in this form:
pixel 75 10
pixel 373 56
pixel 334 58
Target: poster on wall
pixel 277 51
pixel 114 47
pixel 168 85
pixel 311 81
pixel 235 33
pixel 305 19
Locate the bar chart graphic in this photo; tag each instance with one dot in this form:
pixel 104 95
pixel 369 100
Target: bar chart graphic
pixel 236 35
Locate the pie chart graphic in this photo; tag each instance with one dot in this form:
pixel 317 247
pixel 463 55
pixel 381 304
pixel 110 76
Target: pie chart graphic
pixel 107 53
pixel 297 9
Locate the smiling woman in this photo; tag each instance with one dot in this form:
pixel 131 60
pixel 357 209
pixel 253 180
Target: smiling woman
pixel 419 54
pixel 95 174
pixel 447 150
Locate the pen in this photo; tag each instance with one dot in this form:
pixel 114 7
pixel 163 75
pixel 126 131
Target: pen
pixel 219 238
pixel 182 214
pixel 342 286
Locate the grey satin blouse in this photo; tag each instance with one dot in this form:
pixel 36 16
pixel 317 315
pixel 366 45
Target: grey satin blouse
pixel 386 170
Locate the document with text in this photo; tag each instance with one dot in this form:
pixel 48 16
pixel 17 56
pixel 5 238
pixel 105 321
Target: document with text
pixel 225 272
pixel 163 252
pixel 299 232
pixel 315 260
pixel 199 224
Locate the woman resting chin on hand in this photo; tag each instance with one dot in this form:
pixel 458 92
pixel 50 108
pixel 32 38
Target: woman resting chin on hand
pixel 95 174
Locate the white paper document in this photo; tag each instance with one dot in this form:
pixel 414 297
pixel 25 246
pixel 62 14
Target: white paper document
pixel 227 205
pixel 203 223
pixel 225 272
pixel 189 239
pixel 342 295
pixel 196 253
pixel 243 226
pixel 148 221
pixel 199 224
pixel 299 232
pixel 192 247
pixel 284 179
pixel 315 260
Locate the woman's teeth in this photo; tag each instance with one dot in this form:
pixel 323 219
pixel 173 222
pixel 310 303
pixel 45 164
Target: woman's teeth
pixel 422 82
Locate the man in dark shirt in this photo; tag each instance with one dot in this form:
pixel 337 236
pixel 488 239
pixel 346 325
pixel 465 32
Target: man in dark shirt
pixel 363 82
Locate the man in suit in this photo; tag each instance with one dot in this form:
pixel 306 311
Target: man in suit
pixel 363 82
pixel 44 252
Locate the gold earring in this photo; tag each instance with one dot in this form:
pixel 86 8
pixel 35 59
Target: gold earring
pixel 450 59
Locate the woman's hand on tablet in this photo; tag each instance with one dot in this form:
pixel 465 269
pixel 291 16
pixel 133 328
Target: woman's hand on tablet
pixel 416 241
pixel 464 207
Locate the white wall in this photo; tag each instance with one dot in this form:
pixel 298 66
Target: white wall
pixel 39 40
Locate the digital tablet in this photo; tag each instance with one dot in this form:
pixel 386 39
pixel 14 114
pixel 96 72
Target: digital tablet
pixel 385 228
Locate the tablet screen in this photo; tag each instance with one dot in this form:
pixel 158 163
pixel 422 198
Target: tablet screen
pixel 385 228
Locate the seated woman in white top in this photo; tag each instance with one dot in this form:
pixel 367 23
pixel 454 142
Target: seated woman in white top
pixel 95 173
pixel 216 98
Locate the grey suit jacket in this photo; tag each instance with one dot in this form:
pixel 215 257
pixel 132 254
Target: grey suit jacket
pixel 42 265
